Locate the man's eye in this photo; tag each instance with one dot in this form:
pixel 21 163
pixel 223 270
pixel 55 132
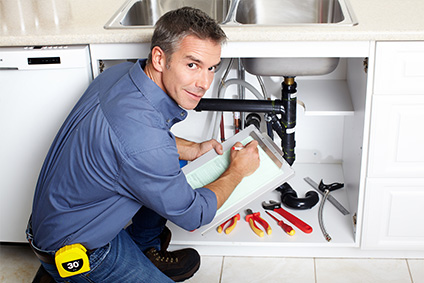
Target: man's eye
pixel 212 69
pixel 191 65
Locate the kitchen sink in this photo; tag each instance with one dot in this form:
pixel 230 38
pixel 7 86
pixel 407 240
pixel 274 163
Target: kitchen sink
pixel 248 13
pixel 290 12
pixel 290 66
pixel 145 13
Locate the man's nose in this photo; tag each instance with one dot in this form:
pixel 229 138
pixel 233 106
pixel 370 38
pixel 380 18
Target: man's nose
pixel 204 80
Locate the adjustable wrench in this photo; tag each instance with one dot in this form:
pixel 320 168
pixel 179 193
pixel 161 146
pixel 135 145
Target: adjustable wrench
pixel 276 206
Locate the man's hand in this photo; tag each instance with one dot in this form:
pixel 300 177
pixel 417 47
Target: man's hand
pixel 190 150
pixel 209 145
pixel 246 160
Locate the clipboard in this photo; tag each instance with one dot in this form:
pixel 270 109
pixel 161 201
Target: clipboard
pixel 272 172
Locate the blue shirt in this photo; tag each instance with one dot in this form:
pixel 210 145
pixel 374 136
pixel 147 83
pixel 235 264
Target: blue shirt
pixel 114 154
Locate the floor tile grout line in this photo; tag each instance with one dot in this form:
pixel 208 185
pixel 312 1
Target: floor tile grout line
pixel 409 270
pixel 315 270
pixel 222 269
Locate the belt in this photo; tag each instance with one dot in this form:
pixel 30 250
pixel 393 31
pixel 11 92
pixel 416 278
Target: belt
pixel 44 257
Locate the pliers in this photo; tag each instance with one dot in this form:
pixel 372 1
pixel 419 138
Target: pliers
pixel 232 225
pixel 251 217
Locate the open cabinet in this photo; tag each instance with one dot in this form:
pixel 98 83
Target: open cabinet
pixel 331 144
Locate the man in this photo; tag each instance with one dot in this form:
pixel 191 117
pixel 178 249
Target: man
pixel 115 160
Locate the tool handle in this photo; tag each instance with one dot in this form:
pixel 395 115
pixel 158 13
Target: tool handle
pixel 230 228
pixel 294 220
pixel 255 228
pixel 264 224
pixel 233 224
pixel 221 227
pixel 287 228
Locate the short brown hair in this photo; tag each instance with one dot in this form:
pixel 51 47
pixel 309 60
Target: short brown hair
pixel 175 25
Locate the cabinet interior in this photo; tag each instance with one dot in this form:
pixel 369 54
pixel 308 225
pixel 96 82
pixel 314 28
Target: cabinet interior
pixel 329 145
pixel 329 138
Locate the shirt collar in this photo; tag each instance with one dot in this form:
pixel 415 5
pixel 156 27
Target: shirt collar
pixel 170 110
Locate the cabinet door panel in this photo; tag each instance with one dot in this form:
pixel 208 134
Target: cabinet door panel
pixel 394 214
pixel 399 68
pixel 397 137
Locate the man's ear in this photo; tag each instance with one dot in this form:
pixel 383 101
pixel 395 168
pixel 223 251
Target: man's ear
pixel 158 59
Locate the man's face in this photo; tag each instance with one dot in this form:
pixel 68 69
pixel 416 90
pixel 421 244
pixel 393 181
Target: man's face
pixel 190 71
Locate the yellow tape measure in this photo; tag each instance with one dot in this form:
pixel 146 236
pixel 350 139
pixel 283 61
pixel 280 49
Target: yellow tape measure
pixel 72 260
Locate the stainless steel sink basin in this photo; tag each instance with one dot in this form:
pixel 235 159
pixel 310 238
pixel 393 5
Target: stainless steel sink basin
pixel 290 12
pixel 145 13
pixel 290 66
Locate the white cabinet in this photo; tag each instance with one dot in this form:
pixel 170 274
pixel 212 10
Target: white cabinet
pixel 397 136
pixel 395 185
pixel 399 68
pixel 393 220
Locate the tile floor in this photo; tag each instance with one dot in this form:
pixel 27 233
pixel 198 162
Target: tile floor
pixel 18 264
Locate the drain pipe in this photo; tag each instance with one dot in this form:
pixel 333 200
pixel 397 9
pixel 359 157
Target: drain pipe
pixel 286 107
pixel 247 105
pixel 289 98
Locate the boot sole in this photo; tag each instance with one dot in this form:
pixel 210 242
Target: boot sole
pixel 187 275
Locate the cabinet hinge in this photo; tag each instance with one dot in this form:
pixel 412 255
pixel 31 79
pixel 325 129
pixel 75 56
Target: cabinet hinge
pixel 101 66
pixel 365 63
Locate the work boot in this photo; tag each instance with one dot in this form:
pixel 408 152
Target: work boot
pixel 178 265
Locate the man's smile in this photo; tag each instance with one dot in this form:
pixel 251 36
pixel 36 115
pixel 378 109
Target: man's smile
pixel 195 95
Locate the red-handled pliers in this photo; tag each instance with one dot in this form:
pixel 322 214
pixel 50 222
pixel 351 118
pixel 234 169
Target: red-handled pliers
pixel 251 217
pixel 232 225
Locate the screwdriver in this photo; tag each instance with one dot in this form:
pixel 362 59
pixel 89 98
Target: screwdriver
pixel 287 228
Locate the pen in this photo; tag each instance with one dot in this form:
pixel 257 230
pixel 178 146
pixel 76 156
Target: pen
pixel 238 147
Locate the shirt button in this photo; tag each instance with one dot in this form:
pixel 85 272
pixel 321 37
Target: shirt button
pixel 182 114
pixel 169 120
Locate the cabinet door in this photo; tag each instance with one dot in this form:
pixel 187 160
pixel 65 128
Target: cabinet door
pixel 397 136
pixel 399 68
pixel 393 209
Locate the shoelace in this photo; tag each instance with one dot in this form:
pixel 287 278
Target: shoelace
pixel 164 256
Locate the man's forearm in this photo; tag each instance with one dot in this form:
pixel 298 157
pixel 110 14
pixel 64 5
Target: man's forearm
pixel 189 150
pixel 225 185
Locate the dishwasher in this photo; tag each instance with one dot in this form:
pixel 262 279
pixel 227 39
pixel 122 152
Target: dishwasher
pixel 39 85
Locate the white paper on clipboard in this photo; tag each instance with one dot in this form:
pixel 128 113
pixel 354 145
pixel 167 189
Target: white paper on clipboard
pixel 267 177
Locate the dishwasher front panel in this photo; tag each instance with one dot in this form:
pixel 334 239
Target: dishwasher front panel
pixel 38 88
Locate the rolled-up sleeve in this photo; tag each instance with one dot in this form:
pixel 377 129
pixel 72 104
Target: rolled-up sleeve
pixel 154 179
